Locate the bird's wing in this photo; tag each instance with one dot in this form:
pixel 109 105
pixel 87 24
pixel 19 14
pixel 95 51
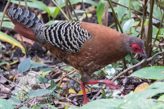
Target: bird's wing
pixel 66 35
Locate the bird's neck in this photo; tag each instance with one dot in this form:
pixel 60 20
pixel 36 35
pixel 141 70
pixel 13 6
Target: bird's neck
pixel 126 46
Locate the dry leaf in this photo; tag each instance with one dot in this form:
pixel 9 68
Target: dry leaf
pixel 71 91
pixel 81 92
pixel 141 87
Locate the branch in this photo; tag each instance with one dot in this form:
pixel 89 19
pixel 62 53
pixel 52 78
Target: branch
pixel 136 65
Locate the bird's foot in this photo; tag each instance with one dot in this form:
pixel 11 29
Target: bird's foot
pixel 107 82
pixel 85 98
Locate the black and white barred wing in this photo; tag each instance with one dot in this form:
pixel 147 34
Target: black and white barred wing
pixel 68 36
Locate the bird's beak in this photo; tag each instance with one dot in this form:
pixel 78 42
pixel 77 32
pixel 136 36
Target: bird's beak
pixel 143 54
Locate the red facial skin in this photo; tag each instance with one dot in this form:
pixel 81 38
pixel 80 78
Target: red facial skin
pixel 136 48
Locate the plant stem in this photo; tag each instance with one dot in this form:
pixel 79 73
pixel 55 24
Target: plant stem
pixel 1 22
pixel 150 30
pixel 61 10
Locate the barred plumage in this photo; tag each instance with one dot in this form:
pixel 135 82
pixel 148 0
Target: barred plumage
pixel 66 35
pixel 28 19
pixel 25 17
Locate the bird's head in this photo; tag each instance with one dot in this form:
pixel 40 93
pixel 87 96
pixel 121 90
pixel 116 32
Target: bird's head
pixel 136 46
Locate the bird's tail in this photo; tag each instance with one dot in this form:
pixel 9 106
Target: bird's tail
pixel 26 22
pixel 25 17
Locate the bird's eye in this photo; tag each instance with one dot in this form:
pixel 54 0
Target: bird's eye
pixel 135 49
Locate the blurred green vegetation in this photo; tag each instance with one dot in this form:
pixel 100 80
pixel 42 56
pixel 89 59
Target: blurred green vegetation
pixel 134 17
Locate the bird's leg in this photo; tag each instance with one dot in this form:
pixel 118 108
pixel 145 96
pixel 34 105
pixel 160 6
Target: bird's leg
pixel 85 98
pixel 108 83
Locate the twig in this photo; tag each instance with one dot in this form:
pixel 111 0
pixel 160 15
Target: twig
pixel 143 20
pixel 61 10
pixel 4 13
pixel 115 17
pixel 97 94
pixel 83 7
pixel 73 10
pixel 136 65
pixel 68 10
pixel 151 58
pixel 160 27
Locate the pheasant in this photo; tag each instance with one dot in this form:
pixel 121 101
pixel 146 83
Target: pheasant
pixel 87 47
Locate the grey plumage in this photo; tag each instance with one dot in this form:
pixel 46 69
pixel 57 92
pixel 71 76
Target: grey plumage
pixel 25 17
pixel 66 35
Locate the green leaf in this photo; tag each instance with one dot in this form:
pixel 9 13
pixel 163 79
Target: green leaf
pixel 14 100
pixel 139 104
pixel 139 100
pixel 103 104
pixel 6 38
pixel 121 11
pixel 154 72
pixel 161 98
pixel 54 11
pixel 157 13
pixel 68 68
pixel 100 11
pixel 161 35
pixel 42 106
pixel 143 100
pixel 39 92
pixel 122 104
pixel 153 90
pixel 25 65
pixel 155 30
pixel 136 5
pixel 73 2
pixel 37 65
pixel 8 24
pixel 4 104
pixel 127 25
pixel 3 63
pixel 158 106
